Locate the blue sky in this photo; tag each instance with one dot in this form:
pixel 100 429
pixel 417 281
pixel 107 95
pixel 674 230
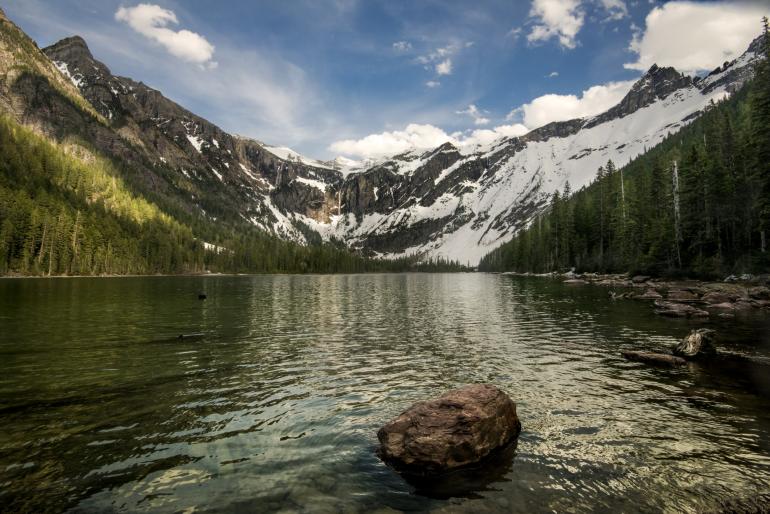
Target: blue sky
pixel 366 77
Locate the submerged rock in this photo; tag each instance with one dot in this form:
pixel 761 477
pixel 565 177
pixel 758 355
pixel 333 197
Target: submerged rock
pixel 678 310
pixel 698 344
pixel 456 429
pixel 664 359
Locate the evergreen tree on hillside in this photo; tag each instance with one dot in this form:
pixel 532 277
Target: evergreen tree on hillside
pixel 760 133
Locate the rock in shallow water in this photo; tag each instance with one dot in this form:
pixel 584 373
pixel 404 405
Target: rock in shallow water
pixel 456 429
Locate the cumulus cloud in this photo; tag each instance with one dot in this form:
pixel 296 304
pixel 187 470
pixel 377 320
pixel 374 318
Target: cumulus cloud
pixel 561 19
pixel 476 114
pixel 547 108
pixel 693 36
pixel 152 22
pixel 444 67
pixel 420 137
pixel 414 136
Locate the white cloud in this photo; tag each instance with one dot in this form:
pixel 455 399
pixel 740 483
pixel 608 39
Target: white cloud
pixel 486 136
pixel 553 74
pixel 616 9
pixel 420 137
pixel 415 136
pixel 476 114
pixel 440 59
pixel 433 83
pixel 551 107
pixel 152 22
pixel 444 67
pixel 402 46
pixel 694 36
pixel 561 19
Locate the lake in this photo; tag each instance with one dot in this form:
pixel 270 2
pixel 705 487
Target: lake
pixel 276 404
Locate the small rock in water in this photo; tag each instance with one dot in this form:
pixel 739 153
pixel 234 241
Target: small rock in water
pixel 698 344
pixel 640 279
pixel 654 358
pixel 202 296
pixel 459 428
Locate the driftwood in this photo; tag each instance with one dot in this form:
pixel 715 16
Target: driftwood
pixel 662 359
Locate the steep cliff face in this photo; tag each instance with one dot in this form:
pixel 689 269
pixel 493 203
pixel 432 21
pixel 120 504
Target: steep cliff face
pixel 457 203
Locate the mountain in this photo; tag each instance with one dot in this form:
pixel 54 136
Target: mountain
pixel 103 175
pixel 450 202
pixel 462 203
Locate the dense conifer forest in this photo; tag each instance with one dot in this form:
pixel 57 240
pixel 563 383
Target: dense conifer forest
pixel 697 204
pixel 66 211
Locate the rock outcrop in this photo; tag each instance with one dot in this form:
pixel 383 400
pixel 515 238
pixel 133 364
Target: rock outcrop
pixel 457 429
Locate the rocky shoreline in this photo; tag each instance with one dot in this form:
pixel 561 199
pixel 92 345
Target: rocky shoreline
pixel 680 298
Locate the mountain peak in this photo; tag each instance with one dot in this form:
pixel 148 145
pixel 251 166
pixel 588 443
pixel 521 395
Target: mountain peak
pixel 654 85
pixel 72 45
pixel 74 52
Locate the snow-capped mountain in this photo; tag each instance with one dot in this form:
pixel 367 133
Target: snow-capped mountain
pixel 454 202
pixel 460 203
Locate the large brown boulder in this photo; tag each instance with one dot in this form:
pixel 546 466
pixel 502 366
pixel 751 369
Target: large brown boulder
pixel 456 429
pixel 698 344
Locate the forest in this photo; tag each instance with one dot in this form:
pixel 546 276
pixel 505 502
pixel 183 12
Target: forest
pixel 697 204
pixel 66 211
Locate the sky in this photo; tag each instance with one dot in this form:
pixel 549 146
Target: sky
pixel 368 78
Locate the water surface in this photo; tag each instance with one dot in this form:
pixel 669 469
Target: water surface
pixel 276 405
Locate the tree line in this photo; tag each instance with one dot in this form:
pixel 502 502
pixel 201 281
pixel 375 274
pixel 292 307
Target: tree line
pixel 696 204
